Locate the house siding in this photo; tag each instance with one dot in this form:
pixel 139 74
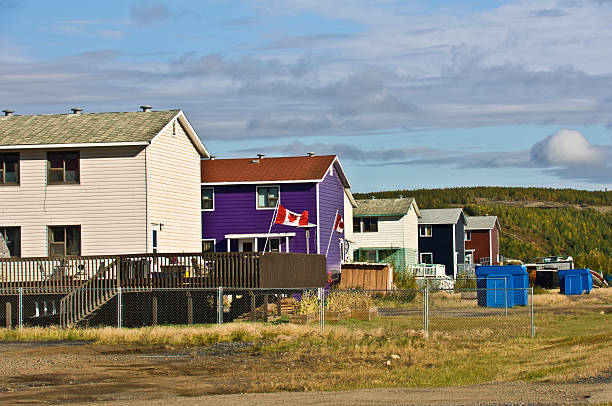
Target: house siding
pixel 459 243
pixel 495 244
pixel 109 203
pixel 236 213
pixel 411 237
pixel 348 227
pixel 173 192
pixel 479 243
pixel 331 199
pixel 440 244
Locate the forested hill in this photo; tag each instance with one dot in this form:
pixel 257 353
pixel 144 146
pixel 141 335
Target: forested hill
pixel 534 221
pixel 437 198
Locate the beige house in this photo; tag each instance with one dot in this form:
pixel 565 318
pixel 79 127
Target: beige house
pixel 100 183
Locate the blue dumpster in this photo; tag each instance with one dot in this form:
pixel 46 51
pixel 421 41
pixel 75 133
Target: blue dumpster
pixel 517 284
pixel 575 281
pixel 494 284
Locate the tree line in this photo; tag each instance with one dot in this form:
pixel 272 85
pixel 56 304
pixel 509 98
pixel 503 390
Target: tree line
pixel 528 232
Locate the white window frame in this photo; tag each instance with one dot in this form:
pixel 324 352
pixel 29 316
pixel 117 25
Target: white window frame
pixel 257 197
pixel 213 197
pixel 468 235
pixel 214 241
pixel 426 227
pixel 426 253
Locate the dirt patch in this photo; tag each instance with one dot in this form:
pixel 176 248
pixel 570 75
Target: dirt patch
pixel 35 373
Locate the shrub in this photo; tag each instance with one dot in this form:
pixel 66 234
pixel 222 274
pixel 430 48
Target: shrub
pixel 308 303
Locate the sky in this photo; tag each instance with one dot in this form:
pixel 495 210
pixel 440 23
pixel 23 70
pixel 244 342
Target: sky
pixel 408 94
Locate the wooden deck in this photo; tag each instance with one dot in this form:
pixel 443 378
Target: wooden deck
pixel 162 271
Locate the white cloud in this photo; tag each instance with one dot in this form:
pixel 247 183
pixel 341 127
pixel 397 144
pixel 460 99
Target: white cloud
pixel 567 148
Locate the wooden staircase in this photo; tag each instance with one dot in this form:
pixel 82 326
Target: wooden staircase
pixel 87 298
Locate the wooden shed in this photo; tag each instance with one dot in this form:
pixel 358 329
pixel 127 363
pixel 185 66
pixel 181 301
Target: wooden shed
pixel 363 275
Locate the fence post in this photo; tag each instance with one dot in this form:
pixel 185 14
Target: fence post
pixel 154 309
pixel 253 316
pixel 119 307
pixel 531 311
pixel 219 305
pixel 9 316
pixel 189 308
pixel 426 310
pixel 322 309
pixel 506 295
pixel 20 312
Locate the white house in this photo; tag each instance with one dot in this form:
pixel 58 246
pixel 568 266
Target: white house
pixel 100 183
pixel 386 230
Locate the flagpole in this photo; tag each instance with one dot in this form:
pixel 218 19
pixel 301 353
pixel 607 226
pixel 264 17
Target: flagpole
pixel 271 224
pixel 332 232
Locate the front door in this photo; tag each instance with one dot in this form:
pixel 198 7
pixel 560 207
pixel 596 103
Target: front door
pixel 246 245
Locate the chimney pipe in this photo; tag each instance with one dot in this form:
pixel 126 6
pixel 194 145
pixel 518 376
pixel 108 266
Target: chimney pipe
pixel 212 157
pixel 146 108
pixel 310 153
pixel 8 113
pixel 260 156
pixel 76 110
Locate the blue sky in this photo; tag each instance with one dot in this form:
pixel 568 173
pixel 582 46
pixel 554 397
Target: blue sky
pixel 408 94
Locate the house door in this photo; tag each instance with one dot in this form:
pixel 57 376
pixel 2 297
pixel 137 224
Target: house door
pixel 469 257
pixel 246 245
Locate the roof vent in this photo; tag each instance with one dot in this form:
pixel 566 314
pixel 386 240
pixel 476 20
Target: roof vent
pixel 372 197
pixel 76 110
pixel 146 108
pixel 8 113
pixel 260 156
pixel 255 161
pixel 212 157
pixel 400 197
pixel 310 153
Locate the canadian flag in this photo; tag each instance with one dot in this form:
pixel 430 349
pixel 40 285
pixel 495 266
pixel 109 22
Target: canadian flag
pixel 339 223
pixel 289 218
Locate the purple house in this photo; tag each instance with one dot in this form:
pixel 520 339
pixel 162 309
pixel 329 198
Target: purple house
pixel 239 197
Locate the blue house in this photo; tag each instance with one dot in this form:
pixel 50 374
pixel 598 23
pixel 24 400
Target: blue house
pixel 441 238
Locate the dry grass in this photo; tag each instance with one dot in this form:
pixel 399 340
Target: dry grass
pixel 569 344
pixel 555 299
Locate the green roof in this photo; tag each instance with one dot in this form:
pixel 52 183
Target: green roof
pixel 90 128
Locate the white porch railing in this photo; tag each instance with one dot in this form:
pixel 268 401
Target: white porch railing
pixel 428 270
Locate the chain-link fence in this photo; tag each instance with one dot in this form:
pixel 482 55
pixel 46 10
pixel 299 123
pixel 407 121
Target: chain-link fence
pixel 465 310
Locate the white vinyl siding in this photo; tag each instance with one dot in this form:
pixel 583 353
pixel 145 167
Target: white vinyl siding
pixel 174 192
pixel 109 203
pixel 390 234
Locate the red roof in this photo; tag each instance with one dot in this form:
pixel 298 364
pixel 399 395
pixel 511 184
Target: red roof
pixel 266 169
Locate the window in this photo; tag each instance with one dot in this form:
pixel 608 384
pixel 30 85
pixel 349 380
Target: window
pixel 155 242
pixel 356 224
pixel 385 255
pixel 64 240
pixel 9 169
pixel 426 258
pixel 62 167
pixel 275 244
pixel 12 238
pixel 468 236
pixel 370 224
pixel 267 197
pixel 208 245
pixel 208 198
pixel 425 231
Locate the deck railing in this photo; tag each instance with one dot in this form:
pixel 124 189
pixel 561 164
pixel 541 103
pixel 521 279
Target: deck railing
pixel 428 270
pixel 140 272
